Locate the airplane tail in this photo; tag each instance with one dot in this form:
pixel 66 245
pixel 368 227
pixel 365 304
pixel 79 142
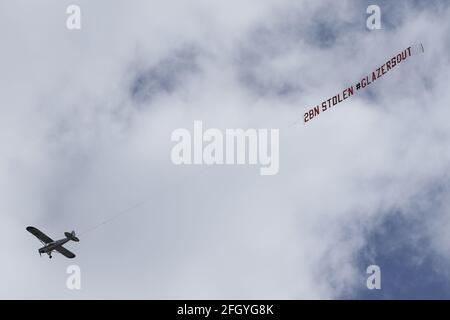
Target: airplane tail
pixel 71 236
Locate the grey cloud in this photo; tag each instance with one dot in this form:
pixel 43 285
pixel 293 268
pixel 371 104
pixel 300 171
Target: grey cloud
pixel 165 76
pixel 82 145
pixel 400 243
pixel 294 32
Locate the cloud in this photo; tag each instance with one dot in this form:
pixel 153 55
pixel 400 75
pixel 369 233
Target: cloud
pixel 88 117
pixel 165 77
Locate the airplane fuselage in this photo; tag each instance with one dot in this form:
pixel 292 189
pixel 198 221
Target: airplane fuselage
pixel 48 248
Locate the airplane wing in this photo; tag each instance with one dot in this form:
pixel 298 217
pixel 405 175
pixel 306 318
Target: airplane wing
pixel 39 234
pixel 65 252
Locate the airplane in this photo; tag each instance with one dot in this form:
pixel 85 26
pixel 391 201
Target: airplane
pixel 51 245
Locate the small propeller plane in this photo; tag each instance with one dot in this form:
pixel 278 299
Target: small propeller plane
pixel 51 245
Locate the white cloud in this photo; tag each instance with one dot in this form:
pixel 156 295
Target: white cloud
pixel 78 148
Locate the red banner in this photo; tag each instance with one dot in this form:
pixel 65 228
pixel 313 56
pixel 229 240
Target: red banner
pixel 364 82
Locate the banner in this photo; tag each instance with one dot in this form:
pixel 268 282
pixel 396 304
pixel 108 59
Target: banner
pixel 364 82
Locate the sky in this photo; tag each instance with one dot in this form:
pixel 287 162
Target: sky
pixel 87 117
